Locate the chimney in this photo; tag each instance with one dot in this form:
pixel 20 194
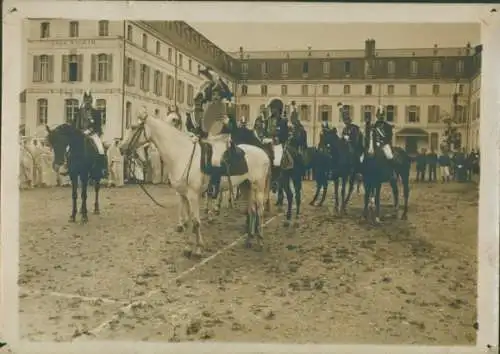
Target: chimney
pixel 370 48
pixel 241 52
pixel 467 49
pixel 367 48
pixel 435 51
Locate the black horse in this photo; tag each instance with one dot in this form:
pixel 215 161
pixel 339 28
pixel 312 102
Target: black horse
pixel 83 163
pixel 292 170
pixel 337 160
pixel 376 169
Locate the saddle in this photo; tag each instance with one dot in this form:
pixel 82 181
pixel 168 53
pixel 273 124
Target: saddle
pixel 219 158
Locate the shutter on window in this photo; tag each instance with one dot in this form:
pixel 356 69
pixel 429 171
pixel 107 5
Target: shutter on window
pixel 36 68
pixel 132 79
pixel 430 118
pixel 161 85
pixel 407 113
pixel 395 110
pixel 93 67
pixel 110 68
pixel 80 68
pixel 418 113
pixel 64 68
pixel 51 68
pixel 148 78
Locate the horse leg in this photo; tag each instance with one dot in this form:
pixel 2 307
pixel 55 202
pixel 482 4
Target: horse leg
pixel 325 190
pixel 74 197
pixel 260 199
pixel 194 209
pixel 281 191
pixel 351 180
pixel 97 188
pixel 182 214
pixel 297 186
pixel 83 208
pixel 316 194
pixel 251 217
pixel 336 194
pixel 378 188
pixel 405 178
pixel 366 200
pixel 289 198
pixel 395 196
pixel 343 196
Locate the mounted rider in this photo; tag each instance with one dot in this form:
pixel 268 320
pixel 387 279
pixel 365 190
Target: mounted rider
pixel 214 115
pixel 296 129
pixel 259 127
pixel 89 121
pixel 351 132
pixel 382 133
pixel 326 135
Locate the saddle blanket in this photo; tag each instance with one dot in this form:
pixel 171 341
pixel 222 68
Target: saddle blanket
pixel 278 155
pixel 219 144
pixel 98 143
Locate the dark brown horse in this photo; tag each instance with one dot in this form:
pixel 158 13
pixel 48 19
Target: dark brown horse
pixel 377 169
pixel 83 162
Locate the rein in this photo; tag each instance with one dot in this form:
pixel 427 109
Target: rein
pixel 130 155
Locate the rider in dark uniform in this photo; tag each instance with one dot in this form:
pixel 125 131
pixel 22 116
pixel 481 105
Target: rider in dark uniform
pixel 205 92
pixel 383 134
pixel 89 122
pixel 351 132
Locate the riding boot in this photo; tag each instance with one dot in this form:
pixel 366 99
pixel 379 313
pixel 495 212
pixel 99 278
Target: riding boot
pixel 104 165
pixel 215 179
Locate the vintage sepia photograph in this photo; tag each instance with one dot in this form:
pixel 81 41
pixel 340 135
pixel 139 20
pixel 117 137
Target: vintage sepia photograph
pixel 249 182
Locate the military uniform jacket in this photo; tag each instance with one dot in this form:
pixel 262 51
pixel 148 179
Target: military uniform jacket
pixel 352 131
pixel 91 121
pixel 383 132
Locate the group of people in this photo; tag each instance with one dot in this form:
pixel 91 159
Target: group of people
pixel 452 166
pixel 36 166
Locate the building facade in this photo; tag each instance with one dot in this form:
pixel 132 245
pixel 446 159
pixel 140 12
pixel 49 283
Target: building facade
pixel 417 87
pixel 125 64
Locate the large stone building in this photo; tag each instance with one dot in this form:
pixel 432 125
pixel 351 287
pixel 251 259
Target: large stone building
pixel 127 64
pixel 417 86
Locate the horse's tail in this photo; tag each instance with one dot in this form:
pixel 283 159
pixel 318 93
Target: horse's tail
pixel 268 187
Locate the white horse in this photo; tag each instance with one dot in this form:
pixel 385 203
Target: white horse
pixel 182 157
pixel 175 120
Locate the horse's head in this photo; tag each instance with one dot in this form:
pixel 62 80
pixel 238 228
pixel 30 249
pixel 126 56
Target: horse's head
pixel 136 136
pixel 59 139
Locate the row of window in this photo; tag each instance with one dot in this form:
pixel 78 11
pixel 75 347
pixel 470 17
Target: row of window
pixel 326 66
pixel 71 107
pixel 74 29
pixel 325 90
pixel 173 90
pixel 103 31
pixel 412 113
pixel 101 68
pixel 158 50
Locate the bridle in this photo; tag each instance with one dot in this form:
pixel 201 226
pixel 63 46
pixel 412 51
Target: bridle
pixel 131 154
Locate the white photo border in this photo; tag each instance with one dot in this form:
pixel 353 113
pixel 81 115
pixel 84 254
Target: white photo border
pixel 488 232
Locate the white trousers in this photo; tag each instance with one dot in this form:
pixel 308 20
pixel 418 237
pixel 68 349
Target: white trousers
pixel 97 141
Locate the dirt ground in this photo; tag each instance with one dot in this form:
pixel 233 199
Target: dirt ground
pixel 331 280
